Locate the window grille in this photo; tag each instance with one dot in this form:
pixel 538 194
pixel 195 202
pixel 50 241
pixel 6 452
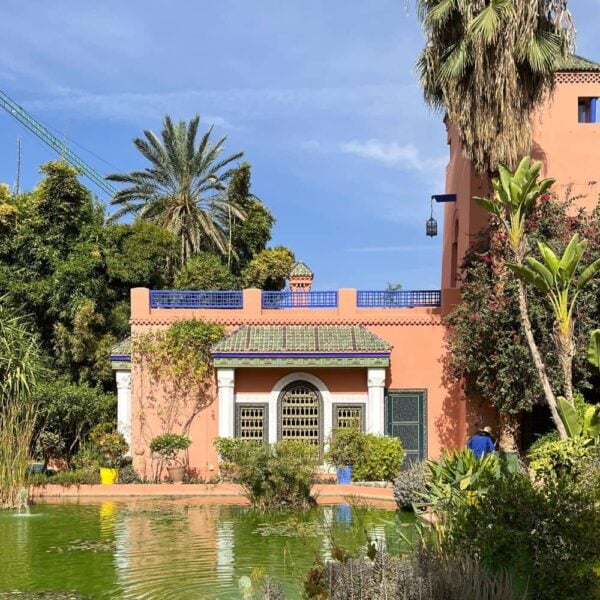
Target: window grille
pixel 349 415
pixel 300 413
pixel 406 419
pixel 251 421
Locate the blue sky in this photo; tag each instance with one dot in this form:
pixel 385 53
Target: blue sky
pixel 320 95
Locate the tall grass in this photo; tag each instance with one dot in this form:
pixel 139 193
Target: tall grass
pixel 20 368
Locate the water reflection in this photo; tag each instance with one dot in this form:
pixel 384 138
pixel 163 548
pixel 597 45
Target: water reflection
pixel 177 549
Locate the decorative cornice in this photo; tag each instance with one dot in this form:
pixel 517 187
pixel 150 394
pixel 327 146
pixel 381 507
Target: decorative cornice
pixel 235 362
pixel 421 320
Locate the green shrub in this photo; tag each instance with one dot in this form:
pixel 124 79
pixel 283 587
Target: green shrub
pixel 546 536
pixel 49 445
pixel 411 485
pixel 67 478
pixel 381 460
pixel 276 475
pixel 168 445
pixel 346 447
pixel 551 459
pixel 127 474
pixel 227 447
pixel 460 477
pixel 373 457
pixel 111 445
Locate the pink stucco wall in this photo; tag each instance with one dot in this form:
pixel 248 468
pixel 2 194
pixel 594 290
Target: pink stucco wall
pixel 416 336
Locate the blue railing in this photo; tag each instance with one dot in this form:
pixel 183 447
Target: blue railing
pixel 195 299
pixel 398 298
pixel 299 299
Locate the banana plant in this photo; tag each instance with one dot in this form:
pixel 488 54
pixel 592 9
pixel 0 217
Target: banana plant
pixel 513 203
pixel 593 353
pixel 588 428
pixel 556 278
pixel 514 200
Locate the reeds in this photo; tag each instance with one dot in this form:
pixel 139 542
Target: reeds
pixel 20 367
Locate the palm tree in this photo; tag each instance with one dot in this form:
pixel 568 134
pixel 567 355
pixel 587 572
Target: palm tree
pixel 183 188
pixel 487 64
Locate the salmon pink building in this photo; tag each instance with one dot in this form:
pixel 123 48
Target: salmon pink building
pixel 299 362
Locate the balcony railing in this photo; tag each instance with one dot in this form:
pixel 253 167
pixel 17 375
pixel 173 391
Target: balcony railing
pixel 299 299
pixel 398 298
pixel 196 299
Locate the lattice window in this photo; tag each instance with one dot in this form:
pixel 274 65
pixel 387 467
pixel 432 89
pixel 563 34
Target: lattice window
pixel 300 413
pixel 349 415
pixel 251 422
pixel 593 77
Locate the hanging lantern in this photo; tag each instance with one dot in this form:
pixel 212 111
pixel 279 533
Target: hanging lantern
pixel 431 224
pixel 431 227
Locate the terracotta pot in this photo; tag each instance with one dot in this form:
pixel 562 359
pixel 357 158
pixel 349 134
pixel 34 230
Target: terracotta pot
pixel 108 476
pixel 176 474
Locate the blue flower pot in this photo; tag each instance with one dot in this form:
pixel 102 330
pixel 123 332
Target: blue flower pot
pixel 344 475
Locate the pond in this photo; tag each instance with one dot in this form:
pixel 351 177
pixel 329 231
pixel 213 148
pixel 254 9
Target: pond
pixel 178 548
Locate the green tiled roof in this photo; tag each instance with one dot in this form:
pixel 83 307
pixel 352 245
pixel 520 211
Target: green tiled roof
pixel 573 62
pixel 123 348
pixel 301 269
pixel 296 339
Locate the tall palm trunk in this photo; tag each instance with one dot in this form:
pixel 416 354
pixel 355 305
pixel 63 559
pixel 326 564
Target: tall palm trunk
pixel 508 432
pixel 539 363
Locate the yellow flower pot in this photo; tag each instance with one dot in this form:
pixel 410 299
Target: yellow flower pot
pixel 108 476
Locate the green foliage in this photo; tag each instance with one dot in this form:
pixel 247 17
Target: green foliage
pixel 228 447
pixel 373 457
pixel 276 475
pixel 346 447
pixel 553 459
pixel 178 362
pixel 514 200
pixel 111 445
pixel 487 66
pixel 546 536
pixel 381 460
pixel 486 347
pixel 183 189
pixel 460 477
pixel 593 353
pixel 411 485
pixel 20 371
pixel 49 445
pixel 141 255
pixel 204 271
pixel 168 445
pixel 67 478
pixel 269 269
pixel 71 411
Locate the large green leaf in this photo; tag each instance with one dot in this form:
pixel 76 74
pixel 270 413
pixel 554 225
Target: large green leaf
pixel 593 352
pixel 543 271
pixel 568 258
pixel 569 417
pixel 549 257
pixel 529 276
pixel 591 422
pixel 588 273
pixel 488 205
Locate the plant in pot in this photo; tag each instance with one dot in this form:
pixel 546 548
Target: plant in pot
pixel 111 447
pixel 345 449
pixel 47 446
pixel 167 447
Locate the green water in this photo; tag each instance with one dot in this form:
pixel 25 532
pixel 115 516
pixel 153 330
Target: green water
pixel 176 549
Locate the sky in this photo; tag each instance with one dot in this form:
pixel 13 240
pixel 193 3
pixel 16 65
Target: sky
pixel 321 96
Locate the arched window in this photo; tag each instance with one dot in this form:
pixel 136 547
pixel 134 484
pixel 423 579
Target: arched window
pixel 300 413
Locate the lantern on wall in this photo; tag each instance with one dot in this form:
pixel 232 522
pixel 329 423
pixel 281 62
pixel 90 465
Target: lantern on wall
pixel 431 228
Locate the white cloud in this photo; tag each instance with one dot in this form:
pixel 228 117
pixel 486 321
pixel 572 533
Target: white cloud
pixel 392 154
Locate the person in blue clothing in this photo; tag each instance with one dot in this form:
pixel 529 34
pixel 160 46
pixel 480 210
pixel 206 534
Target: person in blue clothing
pixel 481 443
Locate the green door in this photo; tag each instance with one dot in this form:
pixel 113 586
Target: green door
pixel 405 418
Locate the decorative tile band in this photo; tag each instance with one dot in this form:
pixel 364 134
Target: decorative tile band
pixel 301 362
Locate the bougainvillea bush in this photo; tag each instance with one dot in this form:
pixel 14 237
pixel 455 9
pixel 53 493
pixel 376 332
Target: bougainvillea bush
pixel 486 345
